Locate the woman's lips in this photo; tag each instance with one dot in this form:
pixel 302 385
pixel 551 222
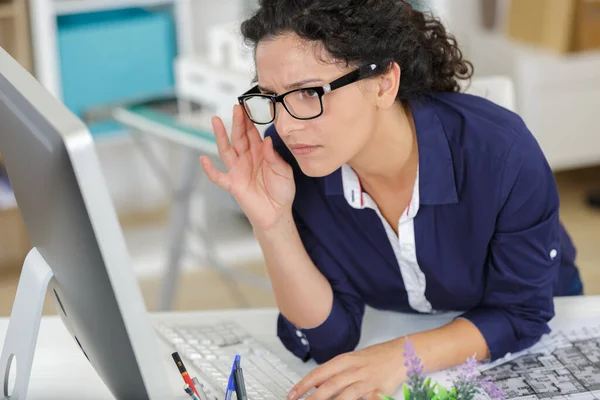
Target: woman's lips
pixel 303 149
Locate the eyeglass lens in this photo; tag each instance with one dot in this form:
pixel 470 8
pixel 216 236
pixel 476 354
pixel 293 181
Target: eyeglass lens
pixel 300 104
pixel 260 109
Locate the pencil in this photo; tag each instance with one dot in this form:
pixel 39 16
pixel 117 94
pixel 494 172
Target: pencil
pixel 184 374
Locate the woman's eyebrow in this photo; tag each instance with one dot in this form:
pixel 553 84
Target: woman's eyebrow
pixel 292 86
pixel 265 90
pixel 299 84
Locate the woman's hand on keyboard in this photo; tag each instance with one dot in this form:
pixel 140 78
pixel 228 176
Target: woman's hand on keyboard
pixel 362 374
pixel 258 178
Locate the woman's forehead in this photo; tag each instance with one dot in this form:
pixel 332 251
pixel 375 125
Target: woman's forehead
pixel 288 51
pixel 287 59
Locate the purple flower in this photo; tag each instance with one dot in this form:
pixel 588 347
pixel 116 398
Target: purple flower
pixel 413 362
pixel 417 387
pixel 466 384
pixel 468 371
pixel 470 382
pixel 490 387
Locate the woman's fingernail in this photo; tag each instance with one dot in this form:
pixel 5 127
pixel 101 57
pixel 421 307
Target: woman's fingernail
pixel 292 395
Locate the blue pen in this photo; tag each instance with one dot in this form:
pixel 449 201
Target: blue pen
pixel 231 382
pixel 238 379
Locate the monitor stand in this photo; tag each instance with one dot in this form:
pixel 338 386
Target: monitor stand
pixel 24 324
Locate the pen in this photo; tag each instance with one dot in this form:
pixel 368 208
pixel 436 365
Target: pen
pixel 238 377
pixel 231 382
pixel 190 392
pixel 183 372
pixel 230 388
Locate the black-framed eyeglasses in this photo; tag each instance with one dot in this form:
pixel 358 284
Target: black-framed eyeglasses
pixel 303 103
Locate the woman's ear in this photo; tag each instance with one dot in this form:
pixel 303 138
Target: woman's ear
pixel 389 84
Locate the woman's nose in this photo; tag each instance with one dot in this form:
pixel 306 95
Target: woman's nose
pixel 284 122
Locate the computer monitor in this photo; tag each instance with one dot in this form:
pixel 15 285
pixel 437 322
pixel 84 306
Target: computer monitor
pixel 52 164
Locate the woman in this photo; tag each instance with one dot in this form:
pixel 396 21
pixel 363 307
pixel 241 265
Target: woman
pixel 379 184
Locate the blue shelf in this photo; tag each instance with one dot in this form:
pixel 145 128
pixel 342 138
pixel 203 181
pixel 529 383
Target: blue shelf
pixel 114 56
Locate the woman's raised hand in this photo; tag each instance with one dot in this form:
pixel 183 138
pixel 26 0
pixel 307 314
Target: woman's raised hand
pixel 257 177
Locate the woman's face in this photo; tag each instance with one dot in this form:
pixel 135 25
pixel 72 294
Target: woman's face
pixel 323 144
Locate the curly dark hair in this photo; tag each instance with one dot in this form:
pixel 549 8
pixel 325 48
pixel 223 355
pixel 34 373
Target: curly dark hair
pixel 358 32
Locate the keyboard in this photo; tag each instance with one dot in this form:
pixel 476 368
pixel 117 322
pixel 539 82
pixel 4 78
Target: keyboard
pixel 211 348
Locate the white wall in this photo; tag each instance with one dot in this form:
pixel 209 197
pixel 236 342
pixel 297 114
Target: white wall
pixel 460 17
pixel 463 19
pixel 208 13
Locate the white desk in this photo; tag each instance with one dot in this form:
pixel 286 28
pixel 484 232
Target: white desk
pixel 60 370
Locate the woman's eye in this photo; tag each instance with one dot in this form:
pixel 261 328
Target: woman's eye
pixel 309 93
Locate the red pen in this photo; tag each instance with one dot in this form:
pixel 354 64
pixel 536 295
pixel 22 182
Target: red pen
pixel 184 373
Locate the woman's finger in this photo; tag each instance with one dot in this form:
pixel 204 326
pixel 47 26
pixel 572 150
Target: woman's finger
pixel 359 390
pixel 226 152
pixel 337 384
pixel 252 131
pixel 239 137
pixel 215 176
pixel 319 376
pixel 254 138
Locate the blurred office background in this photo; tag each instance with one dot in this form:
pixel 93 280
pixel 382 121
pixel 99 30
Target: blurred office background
pixel 101 55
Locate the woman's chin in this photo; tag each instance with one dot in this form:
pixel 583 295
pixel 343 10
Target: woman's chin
pixel 317 169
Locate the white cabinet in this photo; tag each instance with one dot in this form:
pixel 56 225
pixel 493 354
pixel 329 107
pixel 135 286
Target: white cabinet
pixel 558 96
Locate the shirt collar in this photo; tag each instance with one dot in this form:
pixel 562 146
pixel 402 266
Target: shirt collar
pixel 436 169
pixel 359 200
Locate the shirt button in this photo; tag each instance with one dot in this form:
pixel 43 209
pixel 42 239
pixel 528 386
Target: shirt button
pixel 553 254
pixel 304 342
pixel 298 333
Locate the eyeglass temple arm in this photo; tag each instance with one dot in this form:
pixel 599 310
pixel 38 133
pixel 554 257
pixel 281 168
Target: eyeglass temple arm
pixel 253 90
pixel 351 77
pixel 338 83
